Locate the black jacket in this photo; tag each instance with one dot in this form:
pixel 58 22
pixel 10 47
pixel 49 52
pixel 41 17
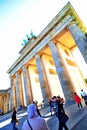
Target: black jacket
pixel 14 116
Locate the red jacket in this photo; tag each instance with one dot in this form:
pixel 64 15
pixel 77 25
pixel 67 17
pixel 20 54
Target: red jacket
pixel 77 99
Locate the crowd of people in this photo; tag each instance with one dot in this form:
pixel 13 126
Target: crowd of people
pixel 36 122
pixel 56 106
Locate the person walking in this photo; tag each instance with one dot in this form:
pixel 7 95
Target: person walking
pixel 14 119
pixel 77 100
pixel 34 121
pixel 84 96
pixel 60 114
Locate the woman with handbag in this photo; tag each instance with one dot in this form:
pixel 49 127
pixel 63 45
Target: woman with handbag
pixel 63 118
pixel 34 121
pixel 14 119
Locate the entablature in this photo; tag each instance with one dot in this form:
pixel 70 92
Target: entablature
pixel 54 27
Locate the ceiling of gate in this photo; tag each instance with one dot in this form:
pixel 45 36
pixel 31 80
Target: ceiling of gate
pixel 65 39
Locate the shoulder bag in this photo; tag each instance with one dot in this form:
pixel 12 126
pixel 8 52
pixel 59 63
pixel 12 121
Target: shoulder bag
pixel 29 124
pixel 63 117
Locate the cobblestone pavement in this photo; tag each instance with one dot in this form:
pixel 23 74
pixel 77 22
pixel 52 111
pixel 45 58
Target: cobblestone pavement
pixel 81 125
pixel 77 119
pixel 22 116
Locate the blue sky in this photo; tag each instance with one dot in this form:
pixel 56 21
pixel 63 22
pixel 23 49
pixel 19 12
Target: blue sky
pixel 12 9
pixel 18 18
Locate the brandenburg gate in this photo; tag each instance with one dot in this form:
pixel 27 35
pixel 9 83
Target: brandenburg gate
pixel 48 65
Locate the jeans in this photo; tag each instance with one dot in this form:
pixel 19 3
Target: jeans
pixel 80 105
pixel 13 126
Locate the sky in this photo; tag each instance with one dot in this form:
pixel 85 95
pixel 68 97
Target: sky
pixel 20 17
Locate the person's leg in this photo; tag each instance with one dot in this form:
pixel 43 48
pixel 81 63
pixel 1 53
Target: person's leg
pixel 85 100
pixel 13 125
pixel 60 126
pixel 56 114
pixel 78 106
pixel 65 126
pixel 81 104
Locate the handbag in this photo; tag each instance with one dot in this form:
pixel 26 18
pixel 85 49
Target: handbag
pixel 16 122
pixel 29 124
pixel 63 117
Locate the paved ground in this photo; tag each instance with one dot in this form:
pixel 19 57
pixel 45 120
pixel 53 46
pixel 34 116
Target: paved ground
pixel 77 119
pixel 82 124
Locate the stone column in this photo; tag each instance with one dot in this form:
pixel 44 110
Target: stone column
pixel 4 103
pixel 62 75
pixel 45 74
pixel 11 101
pixel 7 103
pixel 79 39
pixel 42 79
pixel 30 96
pixel 12 94
pixel 20 89
pixel 17 90
pixel 27 86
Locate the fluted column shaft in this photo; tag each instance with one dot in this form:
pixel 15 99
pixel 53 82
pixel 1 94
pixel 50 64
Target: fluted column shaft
pixel 27 87
pixel 61 72
pixel 79 39
pixel 41 78
pixel 18 90
pixel 12 94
